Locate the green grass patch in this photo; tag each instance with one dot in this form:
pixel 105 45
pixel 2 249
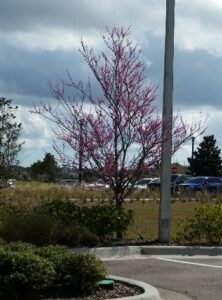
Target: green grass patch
pixel 146 218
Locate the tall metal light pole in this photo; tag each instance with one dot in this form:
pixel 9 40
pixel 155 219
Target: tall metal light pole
pixel 165 191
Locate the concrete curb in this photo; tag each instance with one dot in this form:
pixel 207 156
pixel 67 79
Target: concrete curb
pixel 150 292
pixel 181 250
pixel 107 252
pixel 110 252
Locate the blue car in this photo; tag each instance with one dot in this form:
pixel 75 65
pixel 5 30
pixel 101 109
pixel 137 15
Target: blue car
pixel 210 184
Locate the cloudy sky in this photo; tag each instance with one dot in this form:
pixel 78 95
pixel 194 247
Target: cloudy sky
pixel 39 41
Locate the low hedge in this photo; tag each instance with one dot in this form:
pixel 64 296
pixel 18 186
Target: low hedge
pixel 30 272
pixel 204 226
pixel 62 222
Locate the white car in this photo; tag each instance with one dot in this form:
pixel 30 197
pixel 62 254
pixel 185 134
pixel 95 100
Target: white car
pixel 70 182
pixel 7 183
pixel 143 183
pixel 11 183
pixel 99 184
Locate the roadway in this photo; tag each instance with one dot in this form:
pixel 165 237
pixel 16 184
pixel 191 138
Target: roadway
pixel 195 277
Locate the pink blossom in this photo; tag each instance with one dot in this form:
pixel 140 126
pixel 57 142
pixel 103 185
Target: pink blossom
pixel 121 135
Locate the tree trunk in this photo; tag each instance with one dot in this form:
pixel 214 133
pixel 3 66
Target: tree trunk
pixel 119 207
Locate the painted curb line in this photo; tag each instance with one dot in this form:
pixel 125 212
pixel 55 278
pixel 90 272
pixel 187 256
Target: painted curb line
pixel 150 292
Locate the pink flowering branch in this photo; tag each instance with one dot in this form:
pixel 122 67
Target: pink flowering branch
pixel 121 132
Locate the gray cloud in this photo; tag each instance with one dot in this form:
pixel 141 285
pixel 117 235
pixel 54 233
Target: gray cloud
pixel 197 74
pixel 22 15
pixel 26 73
pixel 197 77
pixel 39 42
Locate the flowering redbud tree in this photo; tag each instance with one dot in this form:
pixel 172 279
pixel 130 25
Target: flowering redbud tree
pixel 117 134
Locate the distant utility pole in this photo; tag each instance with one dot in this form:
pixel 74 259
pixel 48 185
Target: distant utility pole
pixel 165 191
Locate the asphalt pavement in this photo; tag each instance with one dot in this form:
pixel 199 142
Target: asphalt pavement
pixel 179 273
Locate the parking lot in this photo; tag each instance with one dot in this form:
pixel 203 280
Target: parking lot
pixel 199 277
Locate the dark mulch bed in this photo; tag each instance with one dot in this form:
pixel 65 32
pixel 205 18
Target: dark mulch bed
pixel 141 242
pixel 135 242
pixel 120 289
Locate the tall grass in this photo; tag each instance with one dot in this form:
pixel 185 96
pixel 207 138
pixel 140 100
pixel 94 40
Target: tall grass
pixel 34 192
pixel 145 204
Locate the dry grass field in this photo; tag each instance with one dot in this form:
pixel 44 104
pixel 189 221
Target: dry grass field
pixel 146 212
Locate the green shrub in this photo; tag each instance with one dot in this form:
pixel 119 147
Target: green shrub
pixel 204 226
pixel 62 222
pixel 64 215
pixel 74 234
pixel 106 220
pixel 29 272
pixel 28 226
pixel 19 246
pixel 48 223
pixel 80 272
pixel 63 210
pixel 22 273
pixel 52 252
pixel 83 224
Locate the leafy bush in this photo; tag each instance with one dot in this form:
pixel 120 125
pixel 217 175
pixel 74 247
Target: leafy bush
pixel 106 220
pixel 204 226
pixel 48 223
pixel 65 211
pixel 22 273
pixel 77 271
pixel 51 252
pixel 19 246
pixel 80 272
pixel 29 272
pixel 89 222
pixel 27 225
pixel 62 222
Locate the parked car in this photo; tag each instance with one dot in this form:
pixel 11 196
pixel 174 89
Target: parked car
pixel 210 184
pixel 7 183
pixel 99 184
pixel 176 179
pixel 143 183
pixel 154 184
pixel 11 183
pixel 71 182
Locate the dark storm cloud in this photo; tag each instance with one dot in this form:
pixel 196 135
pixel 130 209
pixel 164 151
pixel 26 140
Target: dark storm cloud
pixel 197 74
pixel 23 15
pixel 27 74
pixel 197 77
